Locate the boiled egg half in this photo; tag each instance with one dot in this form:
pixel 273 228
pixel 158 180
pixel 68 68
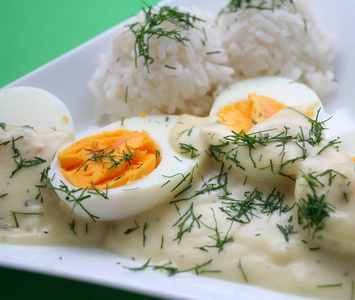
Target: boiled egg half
pixel 35 107
pixel 122 169
pixel 252 101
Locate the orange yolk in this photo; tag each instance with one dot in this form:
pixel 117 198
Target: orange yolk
pixel 245 114
pixel 109 159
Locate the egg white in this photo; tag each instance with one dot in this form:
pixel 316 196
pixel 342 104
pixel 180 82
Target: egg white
pixel 157 187
pixel 283 90
pixel 30 106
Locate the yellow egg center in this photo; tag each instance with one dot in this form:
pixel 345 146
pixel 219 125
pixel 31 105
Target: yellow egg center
pixel 243 115
pixel 109 159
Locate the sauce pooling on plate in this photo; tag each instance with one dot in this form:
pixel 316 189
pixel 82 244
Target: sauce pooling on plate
pixel 270 205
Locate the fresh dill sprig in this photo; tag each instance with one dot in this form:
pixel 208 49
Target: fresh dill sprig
pixel 129 230
pixel 173 270
pixel 215 183
pixel 153 27
pixel 72 226
pixel 108 157
pixel 23 163
pixel 286 230
pixel 186 222
pixel 4 143
pixel 188 148
pixel 14 148
pixel 75 196
pixel 15 213
pixel 103 194
pixel 243 210
pixel 236 5
pixel 240 267
pixel 46 183
pixel 145 233
pixel 186 131
pixel 314 210
pixel 219 241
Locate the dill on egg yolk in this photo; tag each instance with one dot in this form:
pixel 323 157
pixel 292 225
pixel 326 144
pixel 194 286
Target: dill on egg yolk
pixel 243 115
pixel 109 159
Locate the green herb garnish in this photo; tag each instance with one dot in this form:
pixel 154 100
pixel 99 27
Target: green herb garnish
pixel 153 27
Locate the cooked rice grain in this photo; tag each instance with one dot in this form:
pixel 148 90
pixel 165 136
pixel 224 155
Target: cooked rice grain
pixel 286 41
pixel 182 78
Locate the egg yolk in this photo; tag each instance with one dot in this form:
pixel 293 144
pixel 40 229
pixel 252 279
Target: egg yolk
pixel 109 159
pixel 243 115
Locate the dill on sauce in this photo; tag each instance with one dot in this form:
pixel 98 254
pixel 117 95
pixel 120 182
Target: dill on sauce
pixel 72 196
pixel 188 148
pixel 23 163
pixel 174 270
pixel 186 222
pixel 219 241
pixel 129 230
pixel 313 210
pixel 72 226
pixel 15 213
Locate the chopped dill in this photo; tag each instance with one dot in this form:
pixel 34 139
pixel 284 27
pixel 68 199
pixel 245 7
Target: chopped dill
pixel 219 241
pixel 314 210
pixel 186 222
pixel 72 196
pixel 15 213
pixel 22 163
pixel 153 27
pixel 240 267
pixel 330 285
pixel 173 270
pixel 129 230
pixel 72 226
pixel 188 148
pixel 145 233
pixel 238 5
pixel 286 230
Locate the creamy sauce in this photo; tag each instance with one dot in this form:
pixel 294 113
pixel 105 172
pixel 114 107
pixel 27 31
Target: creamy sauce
pixel 30 214
pixel 204 227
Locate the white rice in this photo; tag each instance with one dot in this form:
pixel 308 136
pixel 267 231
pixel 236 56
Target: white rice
pixel 123 90
pixel 285 42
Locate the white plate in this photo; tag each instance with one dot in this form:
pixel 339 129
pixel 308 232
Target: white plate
pixel 67 77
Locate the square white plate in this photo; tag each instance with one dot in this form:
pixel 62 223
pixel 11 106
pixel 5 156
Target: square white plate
pixel 67 77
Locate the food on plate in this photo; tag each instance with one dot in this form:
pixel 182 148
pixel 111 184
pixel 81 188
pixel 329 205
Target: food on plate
pixel 275 199
pixel 122 176
pixel 266 211
pixel 174 61
pixel 34 107
pixel 166 61
pixel 240 109
pixel 235 180
pixel 280 38
pixel 30 213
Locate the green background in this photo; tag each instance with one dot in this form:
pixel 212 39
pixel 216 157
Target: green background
pixel 32 33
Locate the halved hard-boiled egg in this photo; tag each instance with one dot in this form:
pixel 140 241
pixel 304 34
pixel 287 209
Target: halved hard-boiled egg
pixel 122 169
pixel 249 102
pixel 30 106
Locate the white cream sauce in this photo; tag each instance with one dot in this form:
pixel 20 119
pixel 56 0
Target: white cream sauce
pixel 30 214
pixel 197 230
